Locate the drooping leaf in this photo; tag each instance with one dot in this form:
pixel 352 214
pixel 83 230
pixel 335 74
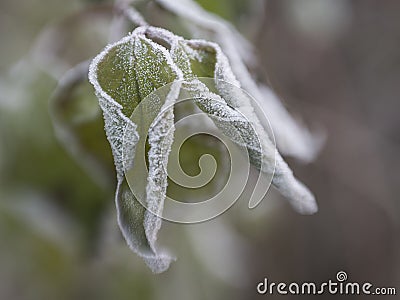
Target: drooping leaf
pixel 123 75
pixel 292 138
pixel 233 114
pixel 126 73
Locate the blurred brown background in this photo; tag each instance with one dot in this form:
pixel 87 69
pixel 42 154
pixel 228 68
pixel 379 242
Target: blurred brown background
pixel 337 64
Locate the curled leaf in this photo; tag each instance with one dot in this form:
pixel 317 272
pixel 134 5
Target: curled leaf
pixel 124 74
pixel 232 110
pixel 129 71
pixel 292 138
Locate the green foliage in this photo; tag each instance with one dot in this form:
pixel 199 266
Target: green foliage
pixel 128 72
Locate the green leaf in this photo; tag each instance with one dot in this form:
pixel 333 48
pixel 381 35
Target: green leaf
pixel 127 72
pixel 292 137
pixel 233 114
pixel 123 75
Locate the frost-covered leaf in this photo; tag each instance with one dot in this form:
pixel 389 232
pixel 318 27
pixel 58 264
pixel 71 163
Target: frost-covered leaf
pixel 233 114
pixel 123 75
pixel 130 70
pixel 292 137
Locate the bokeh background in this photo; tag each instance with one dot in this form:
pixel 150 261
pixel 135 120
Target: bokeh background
pixel 335 65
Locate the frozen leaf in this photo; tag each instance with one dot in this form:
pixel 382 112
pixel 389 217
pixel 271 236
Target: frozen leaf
pixel 233 114
pixel 123 75
pixel 292 138
pixel 130 70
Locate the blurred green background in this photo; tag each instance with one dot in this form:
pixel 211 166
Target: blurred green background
pixel 334 63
